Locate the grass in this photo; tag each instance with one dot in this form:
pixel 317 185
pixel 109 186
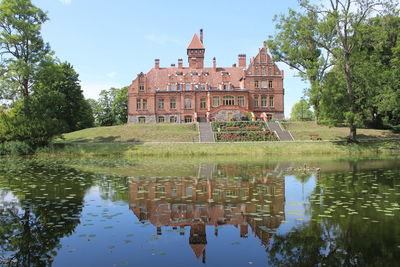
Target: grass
pixel 223 149
pixel 159 132
pixel 302 131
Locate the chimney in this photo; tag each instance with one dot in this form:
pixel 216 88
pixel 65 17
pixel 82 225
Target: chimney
pixel 242 61
pixel 214 63
pixel 180 63
pixel 157 63
pixel 201 35
pixel 234 65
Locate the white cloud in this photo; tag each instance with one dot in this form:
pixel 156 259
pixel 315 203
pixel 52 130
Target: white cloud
pixel 111 74
pixel 92 90
pixel 66 2
pixel 162 39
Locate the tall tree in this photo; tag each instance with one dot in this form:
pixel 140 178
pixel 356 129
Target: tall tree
pixel 296 44
pixel 344 18
pixel 21 47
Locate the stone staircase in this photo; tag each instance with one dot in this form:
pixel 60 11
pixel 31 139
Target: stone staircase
pixel 206 134
pixel 282 135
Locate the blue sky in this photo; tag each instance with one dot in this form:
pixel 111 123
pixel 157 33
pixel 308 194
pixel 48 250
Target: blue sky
pixel 109 42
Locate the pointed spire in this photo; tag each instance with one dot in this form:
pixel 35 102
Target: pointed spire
pixel 195 43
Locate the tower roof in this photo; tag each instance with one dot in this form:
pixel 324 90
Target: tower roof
pixel 198 249
pixel 195 43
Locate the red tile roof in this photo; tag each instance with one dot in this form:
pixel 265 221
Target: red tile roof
pixel 195 43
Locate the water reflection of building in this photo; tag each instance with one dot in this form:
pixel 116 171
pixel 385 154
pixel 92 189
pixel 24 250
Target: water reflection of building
pixel 204 201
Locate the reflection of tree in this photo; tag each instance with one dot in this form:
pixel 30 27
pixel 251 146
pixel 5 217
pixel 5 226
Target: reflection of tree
pixel 50 202
pixel 368 238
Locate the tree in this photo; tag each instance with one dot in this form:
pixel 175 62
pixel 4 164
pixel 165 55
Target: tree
pixel 301 111
pixel 112 107
pixel 21 47
pixel 296 44
pixel 62 78
pixel 344 18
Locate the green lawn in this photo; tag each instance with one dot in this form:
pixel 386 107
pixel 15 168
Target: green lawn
pixel 302 131
pixel 159 132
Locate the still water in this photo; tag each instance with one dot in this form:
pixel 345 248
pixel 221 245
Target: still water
pixel 180 212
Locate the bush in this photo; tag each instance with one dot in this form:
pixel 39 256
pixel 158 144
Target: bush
pixel 15 148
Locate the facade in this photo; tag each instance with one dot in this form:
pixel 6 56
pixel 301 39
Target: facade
pixel 199 93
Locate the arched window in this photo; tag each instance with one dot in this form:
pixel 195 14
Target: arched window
pixel 161 119
pixel 142 119
pixel 172 119
pixel 188 119
pixel 228 100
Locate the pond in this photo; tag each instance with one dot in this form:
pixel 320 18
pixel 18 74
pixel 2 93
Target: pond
pixel 199 212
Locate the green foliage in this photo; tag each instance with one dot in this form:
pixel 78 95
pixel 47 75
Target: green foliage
pixel 15 148
pixel 111 108
pixel 21 47
pixel 301 111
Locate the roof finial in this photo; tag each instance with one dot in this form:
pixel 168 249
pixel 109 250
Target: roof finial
pixel 201 35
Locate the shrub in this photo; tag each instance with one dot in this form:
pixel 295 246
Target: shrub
pixel 15 148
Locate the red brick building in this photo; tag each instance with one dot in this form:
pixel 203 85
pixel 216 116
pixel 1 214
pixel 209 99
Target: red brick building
pixel 199 93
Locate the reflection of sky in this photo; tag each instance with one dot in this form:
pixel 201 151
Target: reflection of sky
pixel 296 202
pixel 131 243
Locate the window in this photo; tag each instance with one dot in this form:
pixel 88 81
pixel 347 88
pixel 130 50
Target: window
pixel 264 84
pixel 161 104
pixel 271 101
pixel 203 86
pixel 228 100
pixel 188 119
pixel 263 101
pixel 187 87
pixel 172 103
pixel 161 119
pixel 256 84
pixel 144 104
pixel 241 100
pixel 179 86
pixel 215 101
pixel 203 103
pixel 172 119
pixel 188 103
pixel 256 101
pixel 269 84
pixel 141 87
pixel 142 119
pixel 138 104
pixel 226 86
pixel 172 86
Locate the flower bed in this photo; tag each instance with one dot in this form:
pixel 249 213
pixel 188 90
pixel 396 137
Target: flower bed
pixel 239 125
pixel 242 131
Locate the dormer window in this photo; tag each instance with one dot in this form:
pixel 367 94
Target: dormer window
pixel 194 73
pixel 179 73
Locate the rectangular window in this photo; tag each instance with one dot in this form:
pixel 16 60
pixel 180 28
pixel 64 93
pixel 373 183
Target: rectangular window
pixel 144 104
pixel 263 101
pixel 138 104
pixel 179 86
pixel 269 84
pixel 188 103
pixel 141 86
pixel 203 103
pixel 172 86
pixel 172 103
pixel 264 84
pixel 142 119
pixel 215 101
pixel 187 87
pixel 271 101
pixel 256 101
pixel 241 100
pixel 161 119
pixel 256 84
pixel 160 104
pixel 188 119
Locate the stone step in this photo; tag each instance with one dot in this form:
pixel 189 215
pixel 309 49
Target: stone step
pixel 282 135
pixel 206 133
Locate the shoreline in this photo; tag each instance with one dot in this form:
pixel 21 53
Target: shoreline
pixel 167 149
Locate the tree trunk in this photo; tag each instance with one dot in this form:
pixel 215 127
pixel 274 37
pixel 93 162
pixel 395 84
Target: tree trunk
pixel 350 92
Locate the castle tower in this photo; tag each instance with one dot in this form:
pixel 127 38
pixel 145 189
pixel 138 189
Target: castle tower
pixel 196 51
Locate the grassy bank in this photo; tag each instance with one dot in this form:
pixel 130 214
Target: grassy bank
pixel 160 132
pixel 215 149
pixel 302 130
